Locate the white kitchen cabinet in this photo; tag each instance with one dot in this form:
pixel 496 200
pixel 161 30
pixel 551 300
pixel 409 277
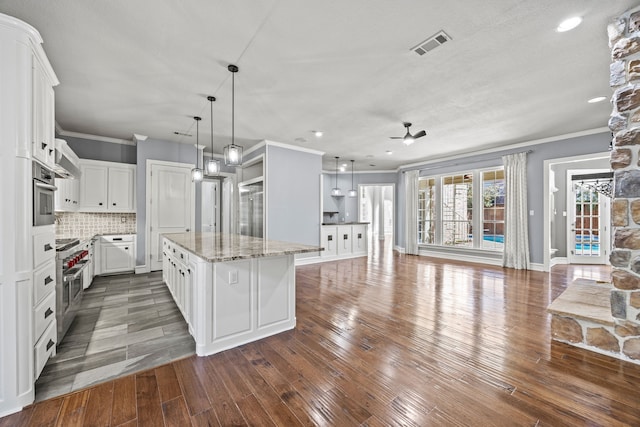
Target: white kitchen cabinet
pixel 43 121
pixel 25 74
pixel 44 296
pixel 328 241
pixel 107 187
pixel 178 272
pixel 67 195
pixel 117 254
pixel 359 239
pixel 343 241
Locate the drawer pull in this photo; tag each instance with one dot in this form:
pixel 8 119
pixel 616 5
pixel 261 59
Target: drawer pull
pixel 114 204
pixel 100 204
pixel 48 313
pixel 47 280
pixel 49 344
pixel 329 237
pixel 359 235
pixel 117 239
pixel 47 247
pixel 43 145
pixel 345 237
pixel 126 248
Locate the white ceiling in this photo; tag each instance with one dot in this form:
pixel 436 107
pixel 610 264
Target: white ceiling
pixel 343 67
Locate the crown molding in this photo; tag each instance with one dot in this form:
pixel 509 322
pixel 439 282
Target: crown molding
pixel 63 132
pixel 504 148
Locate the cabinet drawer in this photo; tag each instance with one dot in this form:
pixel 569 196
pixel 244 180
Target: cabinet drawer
pixel 44 281
pixel 44 314
pixel 44 248
pixel 45 348
pixel 125 238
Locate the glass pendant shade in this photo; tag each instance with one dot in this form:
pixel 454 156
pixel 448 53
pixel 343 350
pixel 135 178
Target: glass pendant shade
pixel 335 191
pixel 233 152
pixel 213 165
pixel 353 192
pixel 196 173
pixel 233 155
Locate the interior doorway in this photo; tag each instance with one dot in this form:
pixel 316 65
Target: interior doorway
pixel 376 205
pixel 588 219
pixel 210 217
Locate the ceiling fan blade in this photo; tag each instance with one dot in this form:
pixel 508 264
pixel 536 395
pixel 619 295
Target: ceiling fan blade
pixel 420 134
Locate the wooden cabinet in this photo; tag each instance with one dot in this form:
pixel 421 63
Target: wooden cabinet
pixel 67 195
pixel 107 187
pixel 343 241
pixel 117 254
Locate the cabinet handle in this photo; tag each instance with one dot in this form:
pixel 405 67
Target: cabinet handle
pixel 329 238
pixel 359 235
pixel 50 151
pixel 189 271
pixel 47 247
pixel 100 204
pixel 114 204
pixel 345 237
pixel 117 239
pixel 48 313
pixel 187 229
pixel 47 280
pixel 126 249
pixel 182 273
pixel 49 344
pixel 44 145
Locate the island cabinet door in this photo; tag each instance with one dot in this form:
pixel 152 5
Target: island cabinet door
pixel 276 290
pixel 359 236
pixel 232 299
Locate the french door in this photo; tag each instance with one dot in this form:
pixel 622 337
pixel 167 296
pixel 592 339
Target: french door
pixel 588 224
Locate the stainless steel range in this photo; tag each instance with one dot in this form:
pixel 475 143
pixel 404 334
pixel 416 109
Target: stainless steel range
pixel 71 260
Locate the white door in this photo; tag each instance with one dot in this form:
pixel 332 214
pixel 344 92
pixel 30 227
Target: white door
pixel 588 219
pixel 210 206
pixel 171 205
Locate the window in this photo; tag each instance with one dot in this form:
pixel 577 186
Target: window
pixel 457 210
pixel 493 207
pixel 426 210
pixel 465 210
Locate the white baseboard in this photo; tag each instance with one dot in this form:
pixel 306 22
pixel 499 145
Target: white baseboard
pixel 142 269
pixel 309 260
pixel 461 257
pixel 400 249
pixel 558 260
pixel 536 266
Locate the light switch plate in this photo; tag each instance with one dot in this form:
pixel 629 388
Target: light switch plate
pixel 233 277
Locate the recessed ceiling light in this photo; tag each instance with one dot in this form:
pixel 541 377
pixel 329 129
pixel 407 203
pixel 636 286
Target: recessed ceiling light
pixel 597 99
pixel 317 133
pixel 344 165
pixel 389 152
pixel 342 168
pixel 569 24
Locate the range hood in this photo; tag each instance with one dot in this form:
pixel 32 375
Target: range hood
pixel 66 161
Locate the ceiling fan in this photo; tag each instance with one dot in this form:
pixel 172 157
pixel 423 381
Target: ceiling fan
pixel 408 139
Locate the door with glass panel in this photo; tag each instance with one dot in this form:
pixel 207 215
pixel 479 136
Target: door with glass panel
pixel 587 224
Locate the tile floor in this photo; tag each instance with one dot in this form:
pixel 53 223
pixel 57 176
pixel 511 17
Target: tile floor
pixel 127 323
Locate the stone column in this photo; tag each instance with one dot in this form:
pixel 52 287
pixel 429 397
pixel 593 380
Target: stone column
pixel 624 41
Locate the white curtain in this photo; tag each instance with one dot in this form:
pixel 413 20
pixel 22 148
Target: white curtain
pixel 516 222
pixel 411 218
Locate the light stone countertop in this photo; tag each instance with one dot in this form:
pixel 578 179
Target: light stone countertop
pixel 217 247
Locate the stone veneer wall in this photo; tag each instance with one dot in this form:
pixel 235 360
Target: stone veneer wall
pixel 84 224
pixel 624 41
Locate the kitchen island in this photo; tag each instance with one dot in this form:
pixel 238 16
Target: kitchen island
pixel 231 289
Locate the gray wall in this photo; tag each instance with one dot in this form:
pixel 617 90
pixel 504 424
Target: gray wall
pixel 156 149
pixel 590 144
pixel 100 150
pixel 348 206
pixel 293 195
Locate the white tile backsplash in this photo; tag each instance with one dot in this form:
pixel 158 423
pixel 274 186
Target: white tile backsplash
pixel 75 224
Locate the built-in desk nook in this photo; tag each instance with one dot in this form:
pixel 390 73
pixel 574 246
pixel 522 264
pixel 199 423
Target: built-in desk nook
pixel 231 289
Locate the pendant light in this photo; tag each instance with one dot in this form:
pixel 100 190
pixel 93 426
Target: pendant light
pixel 233 152
pixel 336 191
pixel 196 173
pixel 353 192
pixel 213 165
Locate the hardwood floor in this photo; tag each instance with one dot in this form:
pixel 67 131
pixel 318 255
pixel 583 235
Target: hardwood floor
pixel 388 340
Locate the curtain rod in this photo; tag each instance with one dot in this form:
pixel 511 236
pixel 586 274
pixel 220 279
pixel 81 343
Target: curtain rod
pixel 436 165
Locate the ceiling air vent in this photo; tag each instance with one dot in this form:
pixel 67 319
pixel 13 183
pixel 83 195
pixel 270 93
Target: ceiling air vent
pixel 431 43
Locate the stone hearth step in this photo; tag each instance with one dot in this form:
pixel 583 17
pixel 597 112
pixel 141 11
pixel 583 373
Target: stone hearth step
pixel 585 299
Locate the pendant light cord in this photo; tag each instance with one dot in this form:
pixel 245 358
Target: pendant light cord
pixel 197 143
pixel 211 102
pixel 233 108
